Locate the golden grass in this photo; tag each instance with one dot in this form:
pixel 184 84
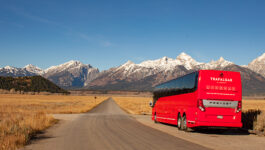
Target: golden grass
pixel 253 104
pixel 134 105
pixel 21 116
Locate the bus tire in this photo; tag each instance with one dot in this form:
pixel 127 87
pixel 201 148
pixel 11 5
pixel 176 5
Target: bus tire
pixel 184 123
pixel 155 119
pixel 179 121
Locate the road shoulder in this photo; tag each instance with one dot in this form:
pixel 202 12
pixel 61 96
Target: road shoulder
pixel 227 140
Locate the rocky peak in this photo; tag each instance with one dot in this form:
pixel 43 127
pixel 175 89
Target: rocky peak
pixel 73 64
pixel 184 56
pixel 33 69
pixel 128 63
pixel 9 68
pixel 15 72
pixel 187 61
pixel 260 59
pixel 219 64
pixel 258 65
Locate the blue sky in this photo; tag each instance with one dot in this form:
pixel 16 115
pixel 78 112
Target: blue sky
pixel 107 33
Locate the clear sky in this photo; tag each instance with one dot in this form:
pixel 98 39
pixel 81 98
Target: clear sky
pixel 107 33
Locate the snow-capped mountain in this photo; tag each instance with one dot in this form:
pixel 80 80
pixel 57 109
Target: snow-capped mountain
pixel 187 61
pixel 33 69
pixel 258 65
pixel 131 72
pixel 71 74
pixel 166 63
pixel 144 76
pixel 220 63
pixel 15 72
pixel 66 66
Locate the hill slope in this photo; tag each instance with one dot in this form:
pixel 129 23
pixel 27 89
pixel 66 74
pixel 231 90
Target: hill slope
pixel 30 84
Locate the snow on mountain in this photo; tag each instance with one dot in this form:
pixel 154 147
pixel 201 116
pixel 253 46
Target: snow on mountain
pixel 155 71
pixel 166 63
pixel 261 58
pixel 15 72
pixel 34 69
pixel 134 76
pixel 146 68
pixel 258 65
pixel 158 65
pixel 163 63
pixel 73 64
pixel 131 72
pixel 144 76
pixel 71 74
pixel 221 63
pixel 128 65
pixel 187 61
pixel 10 69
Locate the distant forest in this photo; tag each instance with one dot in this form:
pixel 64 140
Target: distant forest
pixel 30 84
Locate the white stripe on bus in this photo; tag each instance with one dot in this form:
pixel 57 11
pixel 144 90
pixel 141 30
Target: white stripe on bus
pixel 166 118
pixel 220 94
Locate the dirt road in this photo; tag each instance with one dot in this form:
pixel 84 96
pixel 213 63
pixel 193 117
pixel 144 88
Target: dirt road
pixel 106 127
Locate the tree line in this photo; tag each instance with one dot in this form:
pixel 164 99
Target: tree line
pixel 30 84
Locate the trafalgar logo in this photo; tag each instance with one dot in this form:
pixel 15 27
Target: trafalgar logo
pixel 221 79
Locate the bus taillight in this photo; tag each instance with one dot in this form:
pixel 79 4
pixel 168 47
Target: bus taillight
pixel 239 106
pixel 200 105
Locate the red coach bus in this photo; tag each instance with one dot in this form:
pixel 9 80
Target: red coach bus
pixel 205 98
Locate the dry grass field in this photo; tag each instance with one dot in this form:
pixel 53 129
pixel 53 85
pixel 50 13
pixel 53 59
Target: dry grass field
pixel 253 104
pixel 134 105
pixel 253 116
pixel 21 116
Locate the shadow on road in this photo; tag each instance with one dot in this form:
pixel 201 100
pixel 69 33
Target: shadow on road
pixel 41 135
pixel 224 131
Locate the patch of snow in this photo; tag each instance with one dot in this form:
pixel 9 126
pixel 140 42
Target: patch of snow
pixel 261 58
pixel 128 65
pixel 258 65
pixel 66 66
pixel 214 64
pixel 33 69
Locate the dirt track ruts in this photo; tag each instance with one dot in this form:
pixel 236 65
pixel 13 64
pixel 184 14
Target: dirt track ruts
pixel 107 127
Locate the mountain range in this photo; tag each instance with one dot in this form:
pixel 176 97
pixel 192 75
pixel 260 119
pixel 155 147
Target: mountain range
pixel 142 76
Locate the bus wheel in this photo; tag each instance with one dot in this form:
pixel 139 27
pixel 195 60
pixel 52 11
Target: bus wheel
pixel 184 123
pixel 155 118
pixel 179 121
